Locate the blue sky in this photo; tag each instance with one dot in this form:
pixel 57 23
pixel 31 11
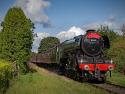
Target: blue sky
pixel 62 15
pixel 66 13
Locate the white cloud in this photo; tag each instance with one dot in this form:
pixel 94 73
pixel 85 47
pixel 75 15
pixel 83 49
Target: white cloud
pixel 124 20
pixel 112 18
pixel 64 35
pixel 34 9
pixel 72 32
pixel 94 25
pixel 37 40
pixel 110 22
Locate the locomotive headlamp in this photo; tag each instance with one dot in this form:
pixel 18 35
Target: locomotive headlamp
pixel 110 67
pixel 80 61
pixel 111 61
pixel 86 67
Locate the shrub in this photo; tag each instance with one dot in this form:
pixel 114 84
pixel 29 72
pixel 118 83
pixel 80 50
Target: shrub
pixel 5 74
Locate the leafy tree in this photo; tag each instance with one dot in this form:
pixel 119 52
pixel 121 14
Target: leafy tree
pixel 117 49
pixel 47 43
pixel 16 37
pixel 0 42
pixel 117 53
pixel 123 30
pixel 105 30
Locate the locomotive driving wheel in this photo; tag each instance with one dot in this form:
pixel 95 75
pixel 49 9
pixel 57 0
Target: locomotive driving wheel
pixel 68 68
pixel 71 68
pixel 76 75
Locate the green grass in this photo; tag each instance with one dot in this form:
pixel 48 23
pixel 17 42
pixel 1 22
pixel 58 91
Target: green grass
pixel 117 78
pixel 47 83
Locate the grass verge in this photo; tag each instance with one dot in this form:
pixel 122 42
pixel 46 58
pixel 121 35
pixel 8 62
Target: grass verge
pixel 117 78
pixel 47 83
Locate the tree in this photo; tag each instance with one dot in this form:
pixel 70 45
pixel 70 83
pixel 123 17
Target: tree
pixel 0 42
pixel 123 30
pixel 105 30
pixel 47 43
pixel 117 53
pixel 16 37
pixel 117 49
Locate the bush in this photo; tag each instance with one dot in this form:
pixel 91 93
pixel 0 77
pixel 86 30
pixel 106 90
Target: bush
pixel 5 74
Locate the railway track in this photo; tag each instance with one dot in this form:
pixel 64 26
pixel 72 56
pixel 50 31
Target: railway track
pixel 111 88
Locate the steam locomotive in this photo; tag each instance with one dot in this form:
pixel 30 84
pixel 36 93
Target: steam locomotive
pixel 82 57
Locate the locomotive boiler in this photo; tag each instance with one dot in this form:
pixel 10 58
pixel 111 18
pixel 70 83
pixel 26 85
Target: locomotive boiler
pixel 82 57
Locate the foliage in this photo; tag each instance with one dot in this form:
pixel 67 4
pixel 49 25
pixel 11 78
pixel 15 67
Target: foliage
pixel 117 48
pixel 105 30
pixel 48 43
pixel 16 37
pixel 123 30
pixel 117 53
pixel 5 74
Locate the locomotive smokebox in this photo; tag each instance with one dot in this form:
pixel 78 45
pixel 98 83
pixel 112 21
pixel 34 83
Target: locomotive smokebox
pixel 92 43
